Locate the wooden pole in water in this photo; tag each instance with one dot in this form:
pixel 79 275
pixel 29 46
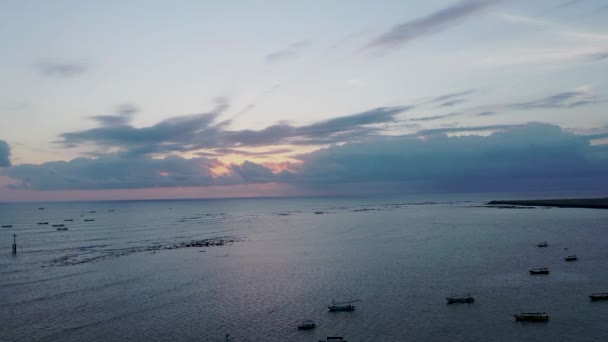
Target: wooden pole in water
pixel 14 243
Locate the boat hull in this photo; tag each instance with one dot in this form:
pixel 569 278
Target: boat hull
pixel 460 300
pixel 531 318
pixel 598 297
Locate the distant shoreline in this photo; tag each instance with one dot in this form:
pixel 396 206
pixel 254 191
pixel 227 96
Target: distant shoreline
pixel 592 203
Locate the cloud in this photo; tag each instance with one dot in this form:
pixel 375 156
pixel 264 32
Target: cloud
pixel 599 56
pixel 524 157
pixel 253 173
pixel 196 132
pixel 62 70
pixel 290 52
pixel 222 151
pixel 5 154
pixel 535 156
pixel 451 96
pixel 431 24
pixel 565 99
pixel 435 117
pixel 113 172
pixel 451 103
pixel 121 118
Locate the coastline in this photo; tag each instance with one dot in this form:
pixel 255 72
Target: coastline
pixel 590 203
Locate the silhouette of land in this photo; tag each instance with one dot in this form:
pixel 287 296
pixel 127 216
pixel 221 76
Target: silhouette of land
pixel 595 203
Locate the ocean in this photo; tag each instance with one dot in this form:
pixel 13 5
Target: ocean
pixel 126 273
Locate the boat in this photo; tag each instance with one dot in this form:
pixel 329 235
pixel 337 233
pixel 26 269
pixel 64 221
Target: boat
pixel 42 223
pixel 541 270
pixel 306 325
pixel 460 299
pixel 571 258
pixel 531 317
pixel 89 220
pixel 62 228
pixel 599 296
pixel 342 306
pixel 92 212
pixel 58 225
pixel 542 244
pixel 68 220
pixel 41 208
pixel 334 339
pixel 7 226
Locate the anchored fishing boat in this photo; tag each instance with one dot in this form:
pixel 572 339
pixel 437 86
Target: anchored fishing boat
pixel 334 339
pixel 342 306
pixel 541 270
pixel 62 228
pixel 89 220
pixel 599 296
pixel 42 223
pixel 531 317
pixel 542 244
pixel 7 226
pixel 306 325
pixel 460 299
pixel 571 258
pixel 58 225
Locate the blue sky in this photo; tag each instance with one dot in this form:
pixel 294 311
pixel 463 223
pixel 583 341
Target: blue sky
pixel 190 98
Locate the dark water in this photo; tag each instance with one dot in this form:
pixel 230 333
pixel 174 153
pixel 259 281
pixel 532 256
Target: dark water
pixel 401 259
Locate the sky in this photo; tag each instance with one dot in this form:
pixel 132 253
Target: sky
pixel 194 99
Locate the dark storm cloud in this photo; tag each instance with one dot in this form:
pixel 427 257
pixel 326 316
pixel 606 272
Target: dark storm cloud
pixel 112 172
pixel 292 51
pixel 62 70
pixel 5 154
pixel 254 173
pixel 431 24
pixel 532 156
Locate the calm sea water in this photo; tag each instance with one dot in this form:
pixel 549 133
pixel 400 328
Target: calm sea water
pixel 400 255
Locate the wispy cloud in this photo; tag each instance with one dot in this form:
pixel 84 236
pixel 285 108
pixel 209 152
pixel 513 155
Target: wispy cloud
pixel 435 117
pixel 62 70
pixel 201 131
pixel 566 99
pixel 123 116
pixel 486 113
pixel 292 51
pixel 451 96
pixel 431 24
pixel 451 103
